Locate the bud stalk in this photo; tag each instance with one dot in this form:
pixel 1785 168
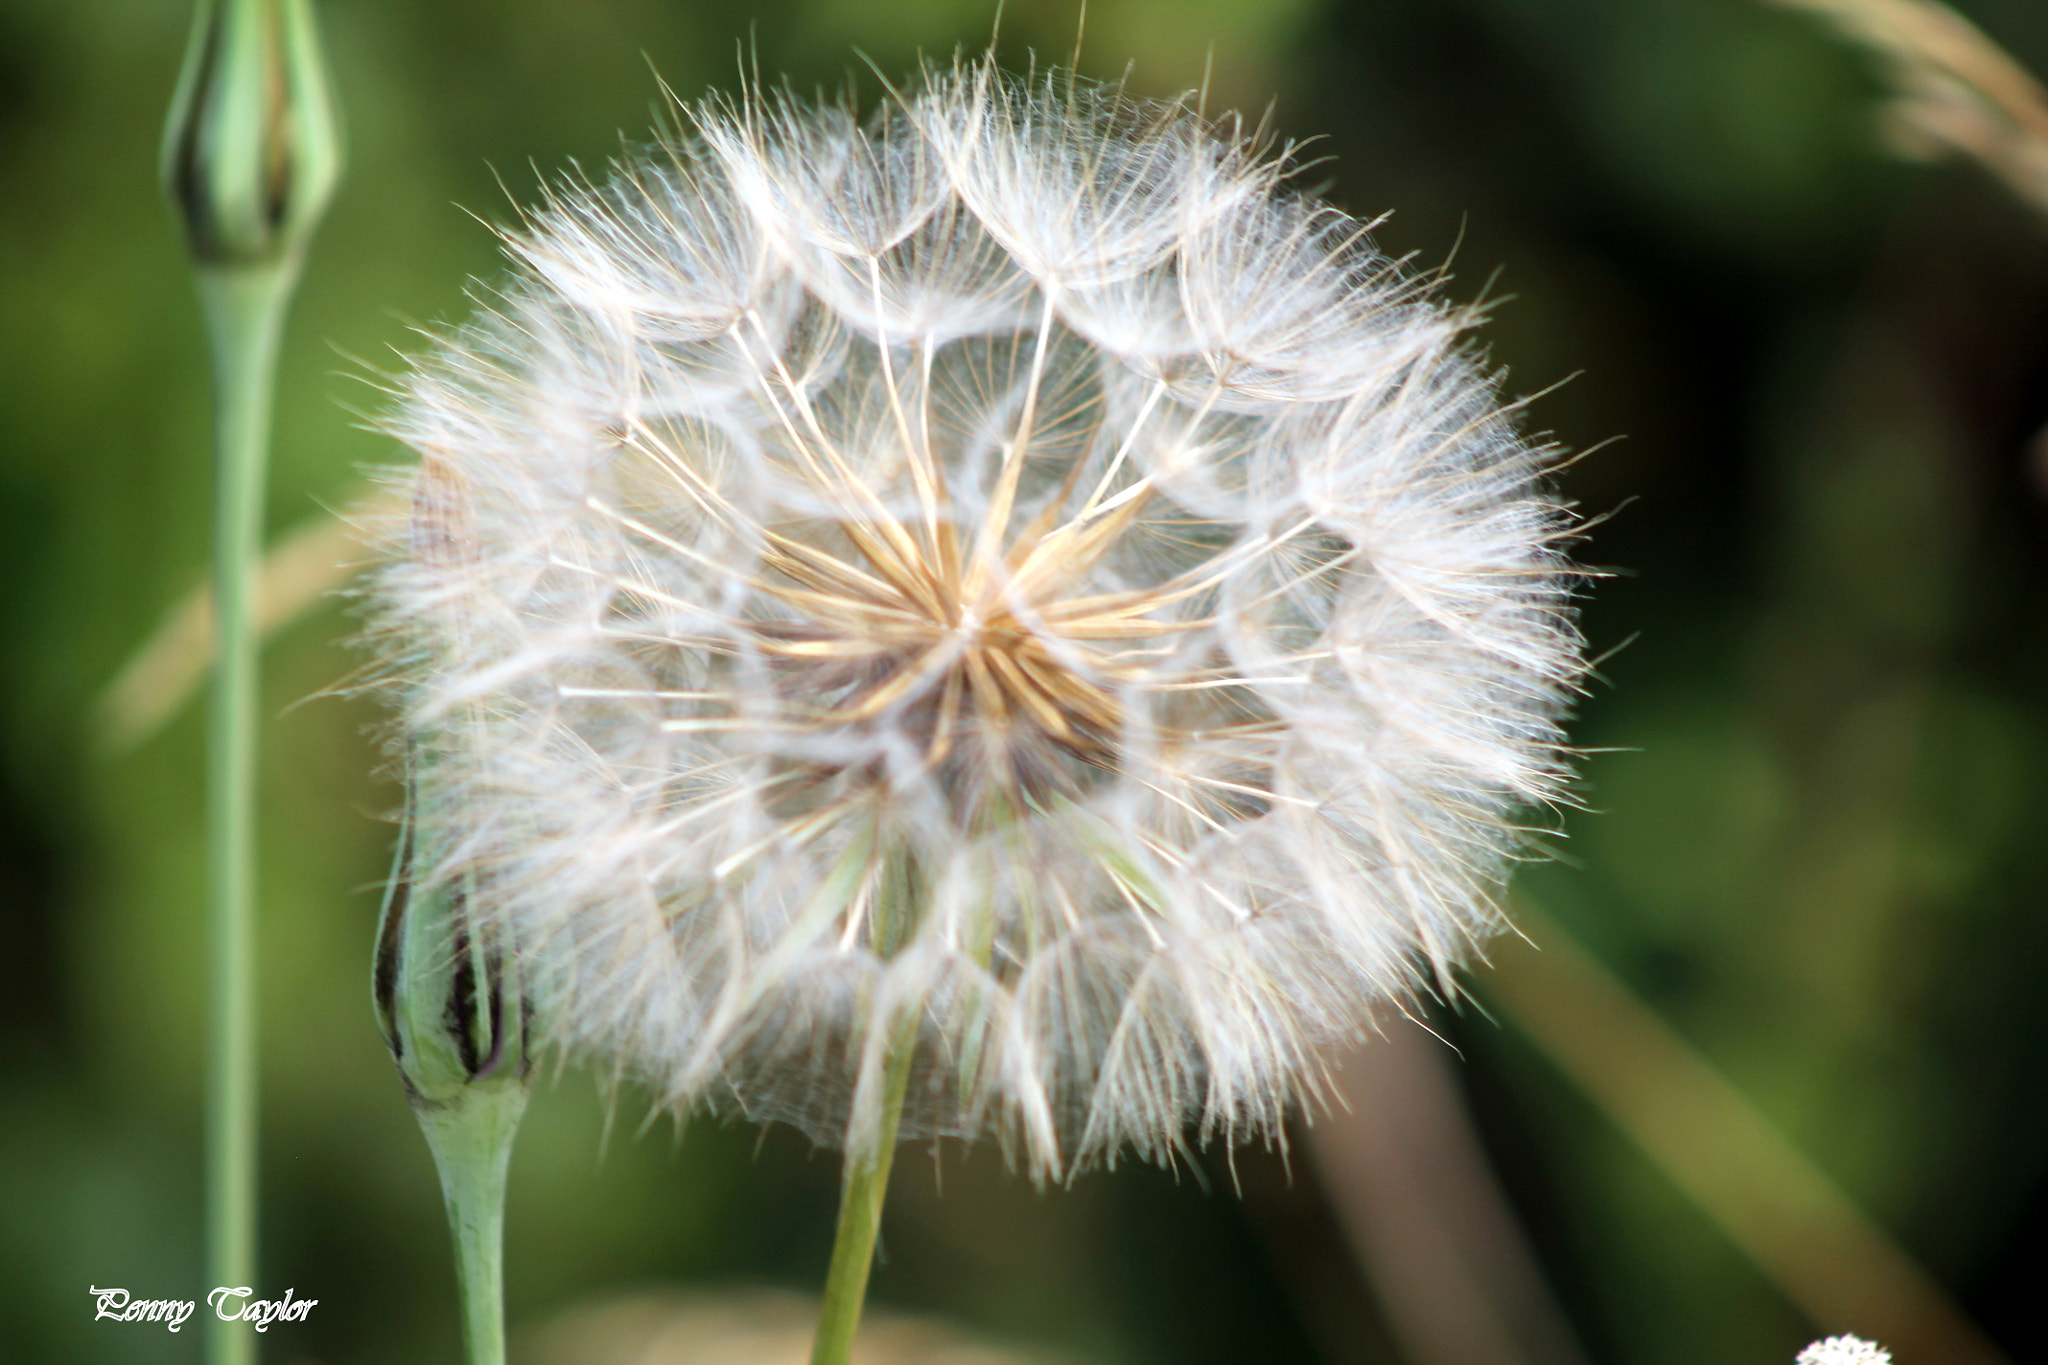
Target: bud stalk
pixel 251 153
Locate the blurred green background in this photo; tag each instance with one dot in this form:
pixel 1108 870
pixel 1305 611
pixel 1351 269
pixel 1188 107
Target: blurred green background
pixel 1821 841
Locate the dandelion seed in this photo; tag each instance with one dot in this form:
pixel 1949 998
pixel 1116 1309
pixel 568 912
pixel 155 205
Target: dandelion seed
pixel 1004 603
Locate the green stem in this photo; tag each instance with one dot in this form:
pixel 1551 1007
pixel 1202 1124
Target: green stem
pixel 472 1145
pixel 861 1191
pixel 244 316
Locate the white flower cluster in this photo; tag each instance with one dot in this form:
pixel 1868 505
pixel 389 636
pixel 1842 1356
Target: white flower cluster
pixel 1844 1350
pixel 1001 605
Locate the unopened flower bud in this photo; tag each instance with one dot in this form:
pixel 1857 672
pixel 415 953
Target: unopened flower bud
pixel 447 991
pixel 253 146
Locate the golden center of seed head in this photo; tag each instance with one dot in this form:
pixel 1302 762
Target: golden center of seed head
pixel 973 637
pixel 975 642
pixel 986 661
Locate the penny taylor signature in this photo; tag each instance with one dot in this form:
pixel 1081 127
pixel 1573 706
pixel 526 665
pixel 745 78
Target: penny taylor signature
pixel 229 1305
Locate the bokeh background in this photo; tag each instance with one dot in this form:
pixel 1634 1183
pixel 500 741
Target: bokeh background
pixel 1816 836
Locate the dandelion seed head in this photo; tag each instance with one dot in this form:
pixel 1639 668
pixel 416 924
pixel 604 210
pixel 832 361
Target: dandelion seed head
pixel 1006 578
pixel 1844 1350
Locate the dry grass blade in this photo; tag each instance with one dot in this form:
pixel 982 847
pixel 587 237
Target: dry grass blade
pixel 1956 90
pixel 1826 1254
pixel 1407 1176
pixel 304 565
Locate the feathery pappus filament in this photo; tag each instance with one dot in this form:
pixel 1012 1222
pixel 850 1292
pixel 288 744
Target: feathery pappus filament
pixel 1006 582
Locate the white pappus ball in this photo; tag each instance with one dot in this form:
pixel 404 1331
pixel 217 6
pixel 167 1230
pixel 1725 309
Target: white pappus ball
pixel 1844 1350
pixel 1003 603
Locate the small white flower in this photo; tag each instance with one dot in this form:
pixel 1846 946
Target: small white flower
pixel 1844 1350
pixel 1006 580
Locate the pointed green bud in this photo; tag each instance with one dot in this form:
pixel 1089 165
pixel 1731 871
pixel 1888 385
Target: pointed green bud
pixel 253 146
pixel 451 1003
pixel 447 990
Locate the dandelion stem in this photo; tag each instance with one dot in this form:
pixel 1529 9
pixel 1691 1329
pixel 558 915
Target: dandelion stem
pixel 245 307
pixel 861 1191
pixel 471 1140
